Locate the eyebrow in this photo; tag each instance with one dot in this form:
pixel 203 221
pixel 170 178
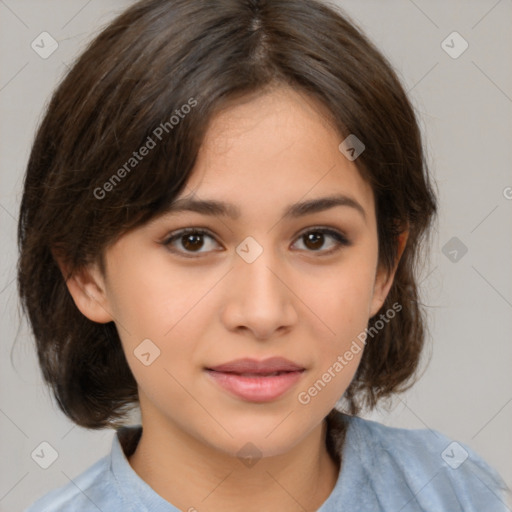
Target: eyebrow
pixel 220 208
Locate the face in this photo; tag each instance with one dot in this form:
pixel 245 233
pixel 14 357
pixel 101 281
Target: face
pixel 263 278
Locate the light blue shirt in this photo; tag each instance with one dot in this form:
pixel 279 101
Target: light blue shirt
pixel 384 469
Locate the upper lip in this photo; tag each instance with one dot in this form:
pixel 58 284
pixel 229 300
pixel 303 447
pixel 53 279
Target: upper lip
pixel 247 365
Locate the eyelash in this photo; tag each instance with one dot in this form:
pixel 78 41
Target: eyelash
pixel 340 239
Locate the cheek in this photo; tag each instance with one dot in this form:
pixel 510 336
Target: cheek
pixel 159 324
pixel 161 316
pixel 151 300
pixel 343 304
pixel 341 297
pixel 337 352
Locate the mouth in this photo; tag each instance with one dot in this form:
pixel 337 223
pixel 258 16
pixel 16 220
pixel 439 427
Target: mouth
pixel 256 381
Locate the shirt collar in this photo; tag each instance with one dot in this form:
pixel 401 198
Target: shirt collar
pixel 136 494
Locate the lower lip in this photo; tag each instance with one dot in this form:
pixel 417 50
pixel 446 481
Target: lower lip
pixel 256 388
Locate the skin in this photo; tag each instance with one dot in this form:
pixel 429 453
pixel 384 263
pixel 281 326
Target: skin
pixel 297 300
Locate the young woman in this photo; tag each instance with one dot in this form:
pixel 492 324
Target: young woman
pixel 222 217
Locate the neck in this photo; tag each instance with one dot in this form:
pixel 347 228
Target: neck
pixel 192 475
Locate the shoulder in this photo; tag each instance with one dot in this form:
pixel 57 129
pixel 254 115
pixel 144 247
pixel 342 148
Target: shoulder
pixel 91 491
pixel 435 472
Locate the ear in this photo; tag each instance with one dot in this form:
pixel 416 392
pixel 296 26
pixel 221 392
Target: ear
pixel 87 287
pixel 383 279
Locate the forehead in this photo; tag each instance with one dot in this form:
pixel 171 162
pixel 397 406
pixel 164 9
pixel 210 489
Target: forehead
pixel 275 148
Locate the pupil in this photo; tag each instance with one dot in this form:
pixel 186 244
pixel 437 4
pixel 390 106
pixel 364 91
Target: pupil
pixel 192 241
pixel 314 240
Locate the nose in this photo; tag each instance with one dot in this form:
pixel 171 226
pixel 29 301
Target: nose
pixel 259 298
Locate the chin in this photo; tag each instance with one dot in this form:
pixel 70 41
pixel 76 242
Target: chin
pixel 258 437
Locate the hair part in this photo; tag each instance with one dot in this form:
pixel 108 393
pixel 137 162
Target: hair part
pixel 138 72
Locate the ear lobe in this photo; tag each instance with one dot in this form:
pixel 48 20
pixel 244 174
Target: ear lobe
pixel 87 288
pixel 383 279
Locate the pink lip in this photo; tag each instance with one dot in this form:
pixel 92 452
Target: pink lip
pixel 252 381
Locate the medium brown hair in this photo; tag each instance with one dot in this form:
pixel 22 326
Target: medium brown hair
pixel 156 57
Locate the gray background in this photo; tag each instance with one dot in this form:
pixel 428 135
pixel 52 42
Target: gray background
pixel 465 106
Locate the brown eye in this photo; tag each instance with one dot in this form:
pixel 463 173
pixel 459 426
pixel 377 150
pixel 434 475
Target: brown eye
pixel 315 239
pixel 190 241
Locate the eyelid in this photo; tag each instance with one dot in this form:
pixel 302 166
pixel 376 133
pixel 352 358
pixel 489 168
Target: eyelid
pixel 184 231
